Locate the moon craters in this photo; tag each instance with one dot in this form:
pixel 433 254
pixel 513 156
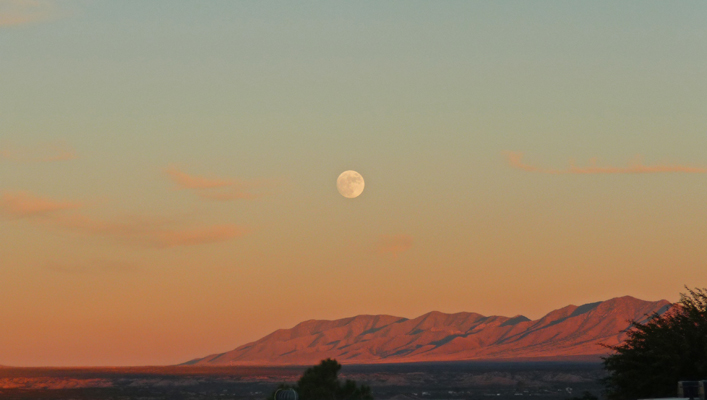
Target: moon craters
pixel 350 184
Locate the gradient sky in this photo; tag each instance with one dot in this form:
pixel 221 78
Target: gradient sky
pixel 168 168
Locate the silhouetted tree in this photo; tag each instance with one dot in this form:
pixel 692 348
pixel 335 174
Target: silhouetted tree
pixel 321 383
pixel 660 352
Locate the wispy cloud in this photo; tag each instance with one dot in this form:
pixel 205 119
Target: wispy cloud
pixel 394 244
pixel 150 232
pixel 214 188
pixel 20 12
pixel 515 160
pixel 143 231
pixel 186 181
pixel 49 152
pixel 25 204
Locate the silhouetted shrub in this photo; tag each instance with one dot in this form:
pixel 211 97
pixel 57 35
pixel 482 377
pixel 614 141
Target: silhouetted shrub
pixel 321 383
pixel 660 352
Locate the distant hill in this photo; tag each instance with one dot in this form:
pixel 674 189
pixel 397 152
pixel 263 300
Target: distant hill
pixel 567 333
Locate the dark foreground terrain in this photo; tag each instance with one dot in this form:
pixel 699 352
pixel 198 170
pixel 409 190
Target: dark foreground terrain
pixel 424 381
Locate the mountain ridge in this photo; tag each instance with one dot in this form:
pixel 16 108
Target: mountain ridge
pixel 568 332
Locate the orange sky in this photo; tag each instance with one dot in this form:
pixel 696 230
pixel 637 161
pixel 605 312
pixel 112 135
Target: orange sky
pixel 168 174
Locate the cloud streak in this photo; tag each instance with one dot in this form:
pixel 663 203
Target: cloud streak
pixel 142 231
pixel 149 232
pixel 186 181
pixel 393 245
pixel 24 204
pixel 49 152
pixel 515 160
pixel 21 12
pixel 218 189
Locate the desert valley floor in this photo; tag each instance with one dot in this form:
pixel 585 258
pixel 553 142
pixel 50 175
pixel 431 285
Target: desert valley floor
pixel 424 381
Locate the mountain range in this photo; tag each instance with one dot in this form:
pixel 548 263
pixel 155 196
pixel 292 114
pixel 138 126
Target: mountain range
pixel 571 332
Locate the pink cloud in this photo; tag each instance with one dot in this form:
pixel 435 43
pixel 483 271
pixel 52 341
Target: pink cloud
pixel 229 195
pixel 157 233
pixel 515 160
pixel 25 204
pixel 212 188
pixel 49 152
pixel 394 244
pixel 186 181
pixel 11 20
pixel 142 231
pixel 20 12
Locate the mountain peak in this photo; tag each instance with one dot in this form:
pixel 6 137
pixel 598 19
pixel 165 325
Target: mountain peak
pixel 571 331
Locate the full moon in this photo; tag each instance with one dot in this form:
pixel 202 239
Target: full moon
pixel 350 184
